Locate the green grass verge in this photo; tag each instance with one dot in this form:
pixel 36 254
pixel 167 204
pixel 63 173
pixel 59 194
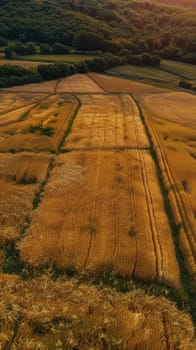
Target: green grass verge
pixel 34 60
pixel 57 58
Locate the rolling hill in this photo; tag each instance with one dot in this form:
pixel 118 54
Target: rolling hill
pixel 118 24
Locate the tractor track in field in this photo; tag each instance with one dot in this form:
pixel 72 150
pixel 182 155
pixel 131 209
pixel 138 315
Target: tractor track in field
pixel 104 148
pixel 93 213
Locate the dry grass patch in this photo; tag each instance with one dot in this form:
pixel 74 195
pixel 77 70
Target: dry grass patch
pixel 107 122
pixel 41 314
pixel 42 128
pixel 78 83
pixel 90 216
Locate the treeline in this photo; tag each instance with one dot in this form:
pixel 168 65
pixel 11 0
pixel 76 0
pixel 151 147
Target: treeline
pixel 86 43
pixel 30 48
pixel 11 75
pixel 185 3
pixel 99 64
pixel 16 75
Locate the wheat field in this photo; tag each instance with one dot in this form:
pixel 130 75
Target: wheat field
pixel 90 216
pixel 107 122
pixel 42 128
pixel 78 83
pixel 97 196
pixel 20 179
pixel 115 84
pixel 172 127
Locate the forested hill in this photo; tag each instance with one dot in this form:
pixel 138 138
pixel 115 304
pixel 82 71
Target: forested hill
pixel 166 27
pixel 185 3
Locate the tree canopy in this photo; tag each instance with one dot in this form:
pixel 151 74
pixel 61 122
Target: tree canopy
pixel 161 27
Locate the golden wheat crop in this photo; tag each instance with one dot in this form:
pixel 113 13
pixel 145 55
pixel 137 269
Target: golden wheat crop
pixel 90 216
pixel 45 87
pixel 16 203
pixel 171 121
pixel 52 114
pixel 13 116
pixel 78 83
pixel 43 314
pixel 11 101
pixel 20 178
pixel 24 168
pixel 107 122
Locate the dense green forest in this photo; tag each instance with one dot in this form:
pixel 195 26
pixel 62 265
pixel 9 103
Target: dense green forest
pixel 163 27
pixel 137 32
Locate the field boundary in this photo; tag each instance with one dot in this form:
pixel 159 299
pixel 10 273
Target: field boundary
pixel 106 148
pixel 75 112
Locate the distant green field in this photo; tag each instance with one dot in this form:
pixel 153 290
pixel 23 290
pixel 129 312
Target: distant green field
pixel 150 73
pixel 184 70
pixel 168 74
pixel 34 60
pixel 57 58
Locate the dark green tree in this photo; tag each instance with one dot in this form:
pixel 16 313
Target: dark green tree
pixel 45 49
pixel 59 48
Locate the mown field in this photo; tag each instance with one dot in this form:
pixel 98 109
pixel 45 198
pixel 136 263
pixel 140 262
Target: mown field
pixel 184 70
pixel 95 201
pixel 168 74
